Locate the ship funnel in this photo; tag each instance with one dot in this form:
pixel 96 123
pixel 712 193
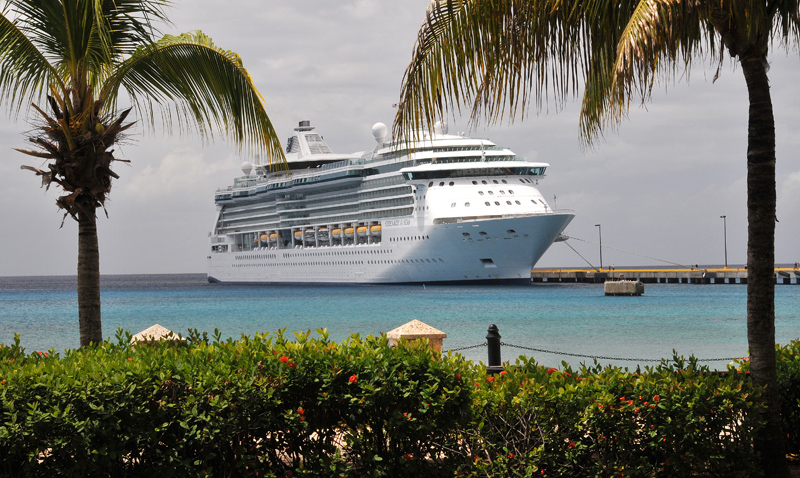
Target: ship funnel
pixel 247 168
pixel 379 131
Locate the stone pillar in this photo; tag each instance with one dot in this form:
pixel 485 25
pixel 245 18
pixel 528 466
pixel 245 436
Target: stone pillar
pixel 416 330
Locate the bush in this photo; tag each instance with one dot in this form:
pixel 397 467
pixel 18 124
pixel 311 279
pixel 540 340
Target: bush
pixel 676 419
pixel 261 406
pixel 788 363
pixel 270 406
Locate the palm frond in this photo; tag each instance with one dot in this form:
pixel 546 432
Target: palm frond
pixel 659 40
pixel 25 73
pixel 498 56
pixel 191 81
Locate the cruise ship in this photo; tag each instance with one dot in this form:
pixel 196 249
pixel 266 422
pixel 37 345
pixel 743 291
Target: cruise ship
pixel 445 208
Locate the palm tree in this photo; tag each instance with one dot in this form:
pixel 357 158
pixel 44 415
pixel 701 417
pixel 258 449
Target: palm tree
pixel 77 56
pixel 496 57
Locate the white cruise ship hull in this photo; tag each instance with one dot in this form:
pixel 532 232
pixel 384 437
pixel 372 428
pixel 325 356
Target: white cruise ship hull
pixel 500 250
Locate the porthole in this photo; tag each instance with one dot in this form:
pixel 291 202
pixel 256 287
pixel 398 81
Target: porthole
pixel 491 193
pixel 484 182
pixel 441 183
pixel 504 181
pixel 452 183
pixel 518 203
pixel 480 192
pixel 508 202
pixel 475 182
pixel 495 181
pixel 487 203
pixel 497 203
pixel 466 204
pixel 510 191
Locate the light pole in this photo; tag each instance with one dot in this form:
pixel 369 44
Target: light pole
pixel 600 232
pixel 725 232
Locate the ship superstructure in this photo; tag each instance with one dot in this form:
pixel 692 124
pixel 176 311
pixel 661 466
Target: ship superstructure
pixel 446 208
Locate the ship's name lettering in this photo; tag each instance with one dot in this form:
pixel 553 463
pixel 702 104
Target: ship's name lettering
pixel 397 222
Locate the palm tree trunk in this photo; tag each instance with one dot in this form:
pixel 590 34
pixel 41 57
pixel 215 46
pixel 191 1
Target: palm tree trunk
pixel 88 278
pixel 761 206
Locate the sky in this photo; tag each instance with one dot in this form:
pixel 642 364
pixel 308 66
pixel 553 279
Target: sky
pixel 657 185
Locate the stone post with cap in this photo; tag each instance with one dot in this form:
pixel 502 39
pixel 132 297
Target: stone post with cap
pixel 415 330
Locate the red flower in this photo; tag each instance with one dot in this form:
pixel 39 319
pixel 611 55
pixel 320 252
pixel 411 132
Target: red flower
pixel 292 365
pixel 503 373
pixel 300 411
pixel 656 398
pixel 130 358
pixel 636 410
pixel 353 379
pixel 571 444
pixel 511 455
pixel 490 379
pixel 284 359
pixel 551 370
pixel 458 376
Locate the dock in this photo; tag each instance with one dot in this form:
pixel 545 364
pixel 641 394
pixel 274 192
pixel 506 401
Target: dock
pixel 659 276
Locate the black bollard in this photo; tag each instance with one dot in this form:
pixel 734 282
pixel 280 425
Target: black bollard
pixel 493 341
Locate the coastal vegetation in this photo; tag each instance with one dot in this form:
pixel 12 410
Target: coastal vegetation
pixel 497 57
pixel 270 406
pixel 72 61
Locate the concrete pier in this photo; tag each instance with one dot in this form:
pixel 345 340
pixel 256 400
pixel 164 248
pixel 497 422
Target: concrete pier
pixel 659 276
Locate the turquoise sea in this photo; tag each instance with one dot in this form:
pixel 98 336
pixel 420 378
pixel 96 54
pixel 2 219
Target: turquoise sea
pixel 707 321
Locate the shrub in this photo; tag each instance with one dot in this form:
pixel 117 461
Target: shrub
pixel 261 406
pixel 676 419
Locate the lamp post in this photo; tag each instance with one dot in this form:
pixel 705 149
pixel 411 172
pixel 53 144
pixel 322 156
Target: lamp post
pixel 725 232
pixel 600 232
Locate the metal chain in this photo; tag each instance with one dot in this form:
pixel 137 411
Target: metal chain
pixel 601 357
pixel 469 347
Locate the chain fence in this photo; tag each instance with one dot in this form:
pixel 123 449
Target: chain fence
pixel 597 357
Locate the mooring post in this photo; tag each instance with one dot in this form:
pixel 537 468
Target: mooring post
pixel 493 341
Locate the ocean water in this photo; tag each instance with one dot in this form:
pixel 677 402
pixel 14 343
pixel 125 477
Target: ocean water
pixel 707 321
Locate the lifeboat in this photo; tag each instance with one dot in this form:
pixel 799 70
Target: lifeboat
pixel 264 237
pixel 361 231
pixel 298 235
pixel 337 233
pixel 375 230
pixel 348 232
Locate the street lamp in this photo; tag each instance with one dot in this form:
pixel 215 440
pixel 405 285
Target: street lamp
pixel 725 231
pixel 600 232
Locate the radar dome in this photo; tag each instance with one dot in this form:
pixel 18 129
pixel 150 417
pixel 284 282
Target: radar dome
pixel 247 168
pixel 379 131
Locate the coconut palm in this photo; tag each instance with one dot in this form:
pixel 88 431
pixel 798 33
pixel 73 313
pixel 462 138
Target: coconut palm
pixel 70 60
pixel 497 57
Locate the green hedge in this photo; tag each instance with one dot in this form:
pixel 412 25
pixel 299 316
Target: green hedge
pixel 271 406
pixel 260 406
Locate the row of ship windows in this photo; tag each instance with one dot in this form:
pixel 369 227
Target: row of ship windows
pixel 250 257
pixel 338 253
pixel 300 219
pixel 407 261
pixel 342 263
pixel 497 203
pixel 409 238
pixel 452 183
pixel 297 264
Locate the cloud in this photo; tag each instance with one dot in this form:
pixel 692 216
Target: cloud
pixel 178 173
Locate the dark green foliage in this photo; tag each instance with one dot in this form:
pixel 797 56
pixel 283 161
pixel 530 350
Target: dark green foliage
pixel 259 406
pixel 268 406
